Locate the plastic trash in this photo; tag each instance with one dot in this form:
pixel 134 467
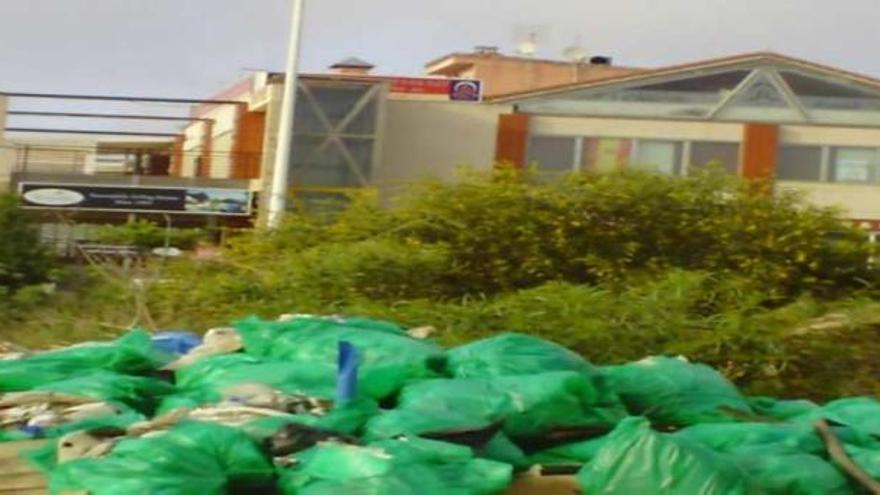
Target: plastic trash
pixel 176 342
pixel 191 458
pixel 860 413
pixel 409 466
pixel 637 460
pixel 781 410
pixel 205 381
pixel 140 393
pixel 347 373
pixel 514 354
pixel 569 453
pixel 347 419
pixel 527 405
pixel 131 354
pixel 793 474
pixel 673 391
pixel 729 437
pixel 388 359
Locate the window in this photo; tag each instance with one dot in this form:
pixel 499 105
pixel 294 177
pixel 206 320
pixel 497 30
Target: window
pixel 854 165
pixel 551 154
pixel 724 154
pixel 817 93
pixel 657 156
pixel 802 163
pixel 605 154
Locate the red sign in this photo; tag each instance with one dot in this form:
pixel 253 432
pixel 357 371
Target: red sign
pixel 454 89
pixel 423 86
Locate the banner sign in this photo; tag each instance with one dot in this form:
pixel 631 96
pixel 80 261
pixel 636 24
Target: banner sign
pixel 136 199
pixel 453 89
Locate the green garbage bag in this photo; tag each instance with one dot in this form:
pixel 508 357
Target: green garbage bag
pixel 346 419
pixel 502 449
pixel 44 457
pixel 410 466
pixel 569 453
pixel 388 360
pixel 673 391
pixel 131 354
pixel 728 437
pixel 792 473
pixel 140 393
pixel 514 354
pixel 206 379
pixel 867 459
pixel 637 460
pixel 192 458
pixel 527 405
pixel 780 409
pixel 859 413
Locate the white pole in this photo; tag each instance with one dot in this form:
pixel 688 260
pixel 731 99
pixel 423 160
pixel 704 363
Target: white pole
pixel 278 198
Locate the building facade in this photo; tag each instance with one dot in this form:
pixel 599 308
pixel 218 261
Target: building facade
pixel 807 127
pixel 804 126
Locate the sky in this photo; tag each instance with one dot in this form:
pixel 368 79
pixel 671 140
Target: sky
pixel 192 48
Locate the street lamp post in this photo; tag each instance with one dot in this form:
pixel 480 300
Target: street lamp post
pixel 281 169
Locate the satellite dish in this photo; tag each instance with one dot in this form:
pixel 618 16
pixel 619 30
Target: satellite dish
pixel 575 54
pixel 527 36
pixel 529 46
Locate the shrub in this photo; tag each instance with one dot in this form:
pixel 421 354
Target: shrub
pixel 147 235
pixel 23 261
pixel 504 233
pixel 615 266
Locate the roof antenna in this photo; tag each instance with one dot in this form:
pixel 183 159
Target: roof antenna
pixel 577 55
pixel 527 36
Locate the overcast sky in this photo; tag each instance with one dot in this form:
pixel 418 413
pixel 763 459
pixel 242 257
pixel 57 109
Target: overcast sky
pixel 190 48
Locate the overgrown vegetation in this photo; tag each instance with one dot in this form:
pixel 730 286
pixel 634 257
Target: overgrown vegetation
pixel 145 234
pixel 776 293
pixel 23 261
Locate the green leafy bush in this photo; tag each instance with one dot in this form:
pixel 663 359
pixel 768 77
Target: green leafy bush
pixel 506 233
pixel 23 261
pixel 146 234
pixel 616 267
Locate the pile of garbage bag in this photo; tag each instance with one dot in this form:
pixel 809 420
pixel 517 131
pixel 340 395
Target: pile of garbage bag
pixel 311 405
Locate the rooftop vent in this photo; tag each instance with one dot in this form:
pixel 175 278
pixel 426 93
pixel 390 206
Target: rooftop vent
pixel 352 65
pixel 486 50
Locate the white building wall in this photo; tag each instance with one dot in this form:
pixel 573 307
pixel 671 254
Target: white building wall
pixel 631 128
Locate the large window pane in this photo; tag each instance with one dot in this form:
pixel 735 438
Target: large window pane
pixel 605 154
pixel 854 165
pixel 657 156
pixel 725 155
pixel 803 163
pixel 551 154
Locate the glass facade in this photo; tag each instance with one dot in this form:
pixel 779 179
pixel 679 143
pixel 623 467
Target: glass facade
pixel 663 157
pixel 552 154
pixel 799 163
pixel 854 165
pixel 335 132
pixel 724 155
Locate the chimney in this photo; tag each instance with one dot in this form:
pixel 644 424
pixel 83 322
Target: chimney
pixel 352 66
pixel 600 60
pixel 486 51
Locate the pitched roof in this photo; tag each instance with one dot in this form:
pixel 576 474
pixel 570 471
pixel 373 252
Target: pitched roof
pixel 719 63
